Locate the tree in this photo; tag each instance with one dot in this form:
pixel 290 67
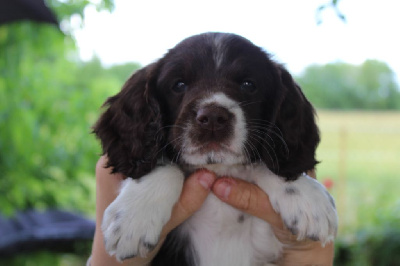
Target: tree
pixel 370 85
pixel 47 154
pixel 377 86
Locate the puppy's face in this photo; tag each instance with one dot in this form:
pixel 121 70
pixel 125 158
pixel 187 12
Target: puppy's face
pixel 217 94
pixel 214 98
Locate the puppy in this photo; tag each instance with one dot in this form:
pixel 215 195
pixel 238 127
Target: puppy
pixel 219 102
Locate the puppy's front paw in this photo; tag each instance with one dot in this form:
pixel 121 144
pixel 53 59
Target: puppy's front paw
pixel 307 209
pixel 134 220
pixel 132 230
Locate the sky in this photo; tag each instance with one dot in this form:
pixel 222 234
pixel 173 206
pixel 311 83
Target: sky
pixel 143 31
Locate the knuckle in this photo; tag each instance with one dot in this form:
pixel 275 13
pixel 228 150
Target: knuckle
pixel 247 198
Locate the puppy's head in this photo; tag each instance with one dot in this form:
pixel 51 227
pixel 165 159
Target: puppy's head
pixel 214 98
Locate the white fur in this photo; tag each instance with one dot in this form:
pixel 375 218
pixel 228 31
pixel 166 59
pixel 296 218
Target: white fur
pixel 143 207
pixel 309 210
pixel 219 239
pixel 133 222
pixel 219 52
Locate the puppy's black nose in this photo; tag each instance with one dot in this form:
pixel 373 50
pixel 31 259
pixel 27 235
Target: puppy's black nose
pixel 213 118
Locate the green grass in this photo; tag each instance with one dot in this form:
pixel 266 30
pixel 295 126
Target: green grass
pixel 360 152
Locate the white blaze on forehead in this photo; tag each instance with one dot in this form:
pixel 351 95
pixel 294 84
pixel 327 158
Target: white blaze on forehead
pixel 219 52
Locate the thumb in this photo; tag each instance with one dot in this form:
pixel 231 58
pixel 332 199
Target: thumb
pixel 248 198
pixel 195 190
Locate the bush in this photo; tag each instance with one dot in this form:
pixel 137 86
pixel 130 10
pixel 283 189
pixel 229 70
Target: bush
pixel 371 247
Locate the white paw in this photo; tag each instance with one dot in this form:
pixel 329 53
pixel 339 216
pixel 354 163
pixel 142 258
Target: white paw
pixel 307 209
pixel 133 222
pixel 132 232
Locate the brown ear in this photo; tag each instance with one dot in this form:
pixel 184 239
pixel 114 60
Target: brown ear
pixel 129 129
pixel 296 135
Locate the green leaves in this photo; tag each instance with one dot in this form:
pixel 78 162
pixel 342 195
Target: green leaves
pixel 370 85
pixel 65 9
pixel 48 103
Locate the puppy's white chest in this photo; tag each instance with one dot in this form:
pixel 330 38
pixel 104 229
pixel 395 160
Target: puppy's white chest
pixel 223 235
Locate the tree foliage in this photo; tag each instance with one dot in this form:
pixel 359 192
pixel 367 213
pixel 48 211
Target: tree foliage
pixel 48 102
pixel 371 85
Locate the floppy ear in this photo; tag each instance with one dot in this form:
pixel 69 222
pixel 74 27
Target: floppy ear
pixel 298 135
pixel 129 129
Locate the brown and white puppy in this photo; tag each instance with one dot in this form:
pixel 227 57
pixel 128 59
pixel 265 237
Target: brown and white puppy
pixel 214 101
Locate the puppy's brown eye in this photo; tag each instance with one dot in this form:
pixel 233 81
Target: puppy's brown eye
pixel 248 86
pixel 179 87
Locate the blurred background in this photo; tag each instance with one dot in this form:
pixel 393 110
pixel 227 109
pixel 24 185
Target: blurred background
pixel 60 59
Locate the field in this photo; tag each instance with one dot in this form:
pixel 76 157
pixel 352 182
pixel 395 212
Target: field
pixel 360 154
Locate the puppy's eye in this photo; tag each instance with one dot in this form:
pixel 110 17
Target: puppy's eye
pixel 248 86
pixel 179 87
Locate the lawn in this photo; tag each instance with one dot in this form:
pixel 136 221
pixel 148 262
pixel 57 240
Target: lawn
pixel 360 153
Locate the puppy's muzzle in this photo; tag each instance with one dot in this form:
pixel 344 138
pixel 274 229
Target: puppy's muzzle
pixel 213 121
pixel 213 118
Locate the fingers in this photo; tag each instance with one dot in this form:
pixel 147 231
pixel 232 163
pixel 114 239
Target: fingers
pixel 195 191
pixel 248 198
pixel 251 199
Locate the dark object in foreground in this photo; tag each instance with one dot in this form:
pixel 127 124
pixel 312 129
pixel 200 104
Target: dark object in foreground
pixel 52 230
pixel 35 10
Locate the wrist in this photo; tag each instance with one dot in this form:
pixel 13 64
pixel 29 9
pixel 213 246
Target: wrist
pixel 307 252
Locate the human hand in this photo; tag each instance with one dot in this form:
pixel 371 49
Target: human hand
pixel 251 199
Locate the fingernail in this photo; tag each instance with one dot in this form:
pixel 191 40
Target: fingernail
pixel 223 189
pixel 205 179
